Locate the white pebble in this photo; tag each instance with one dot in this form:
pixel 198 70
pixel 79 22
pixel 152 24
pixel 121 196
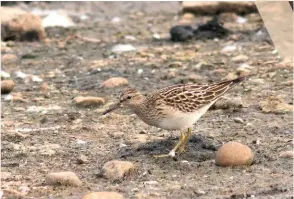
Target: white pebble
pixel 116 20
pixel 140 71
pixel 229 48
pixel 81 141
pixel 241 20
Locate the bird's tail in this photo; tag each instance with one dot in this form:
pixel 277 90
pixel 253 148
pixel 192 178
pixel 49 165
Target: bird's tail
pixel 219 89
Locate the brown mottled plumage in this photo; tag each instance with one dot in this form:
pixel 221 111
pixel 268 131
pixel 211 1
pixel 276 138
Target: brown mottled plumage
pixel 175 107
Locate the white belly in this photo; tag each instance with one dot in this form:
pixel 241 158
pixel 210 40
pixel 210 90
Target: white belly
pixel 180 120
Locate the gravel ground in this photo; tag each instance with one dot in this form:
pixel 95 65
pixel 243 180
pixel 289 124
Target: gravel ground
pixel 49 133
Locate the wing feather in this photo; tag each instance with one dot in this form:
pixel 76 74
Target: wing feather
pixel 190 97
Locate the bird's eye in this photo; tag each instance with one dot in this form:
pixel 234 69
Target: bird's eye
pixel 129 97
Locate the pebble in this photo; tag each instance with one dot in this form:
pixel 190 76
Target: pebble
pixel 130 37
pixel 117 170
pixel 229 49
pixel 44 87
pixel 20 74
pixel 8 58
pixel 171 74
pixel 257 81
pixel 152 182
pixel 240 58
pixel 57 19
pixel 241 20
pixel 287 154
pixel 115 20
pixel 122 48
pixel 103 195
pixel 238 120
pixel 156 36
pixel 82 159
pixel 14 98
pixel 140 71
pixel 7 86
pixel 88 101
pixel 115 82
pixel 243 71
pixel 234 154
pixel 175 64
pixel 5 176
pixel 4 75
pixel 226 103
pixel 188 16
pixel 230 76
pixel 275 104
pixel 63 178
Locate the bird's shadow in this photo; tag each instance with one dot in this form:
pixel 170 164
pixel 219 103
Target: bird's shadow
pixel 199 149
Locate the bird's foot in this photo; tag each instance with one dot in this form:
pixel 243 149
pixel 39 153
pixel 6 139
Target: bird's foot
pixel 182 148
pixel 172 154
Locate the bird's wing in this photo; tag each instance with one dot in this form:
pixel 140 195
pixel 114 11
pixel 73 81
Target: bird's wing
pixel 190 97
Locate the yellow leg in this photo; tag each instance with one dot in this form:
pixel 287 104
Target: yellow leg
pixel 186 140
pixel 172 153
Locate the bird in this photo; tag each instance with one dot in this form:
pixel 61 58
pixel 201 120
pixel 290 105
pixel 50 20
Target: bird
pixel 176 107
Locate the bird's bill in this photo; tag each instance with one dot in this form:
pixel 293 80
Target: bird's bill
pixel 112 108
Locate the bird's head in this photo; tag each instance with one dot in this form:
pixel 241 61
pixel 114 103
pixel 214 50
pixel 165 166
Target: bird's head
pixel 129 98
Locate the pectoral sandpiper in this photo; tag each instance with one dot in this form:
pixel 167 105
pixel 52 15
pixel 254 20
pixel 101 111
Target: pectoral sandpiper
pixel 175 107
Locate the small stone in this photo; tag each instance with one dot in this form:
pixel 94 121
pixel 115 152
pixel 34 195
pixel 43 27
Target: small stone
pixel 230 76
pixel 117 170
pixel 114 82
pixel 115 20
pixel 275 104
pixel 188 16
pixel 156 36
pixel 287 154
pixel 122 48
pixel 238 120
pixel 15 98
pixel 7 86
pixel 63 178
pixel 226 103
pixel 240 58
pixel 89 101
pixel 152 182
pixel 17 24
pixel 103 195
pixel 171 74
pixel 5 175
pixel 4 75
pixel 227 49
pixel 60 19
pixel 175 64
pixel 130 37
pixel 257 81
pixel 140 71
pixel 48 149
pixel 194 78
pixel 44 87
pixel 234 154
pixel 47 152
pixel 82 159
pixel 243 71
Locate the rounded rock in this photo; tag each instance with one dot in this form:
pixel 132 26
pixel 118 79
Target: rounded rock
pixel 89 101
pixel 63 178
pixel 7 86
pixel 115 82
pixel 117 170
pixel 287 154
pixel 234 154
pixel 8 58
pixel 103 195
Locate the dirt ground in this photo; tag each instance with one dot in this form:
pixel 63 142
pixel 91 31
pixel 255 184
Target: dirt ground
pixel 54 132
